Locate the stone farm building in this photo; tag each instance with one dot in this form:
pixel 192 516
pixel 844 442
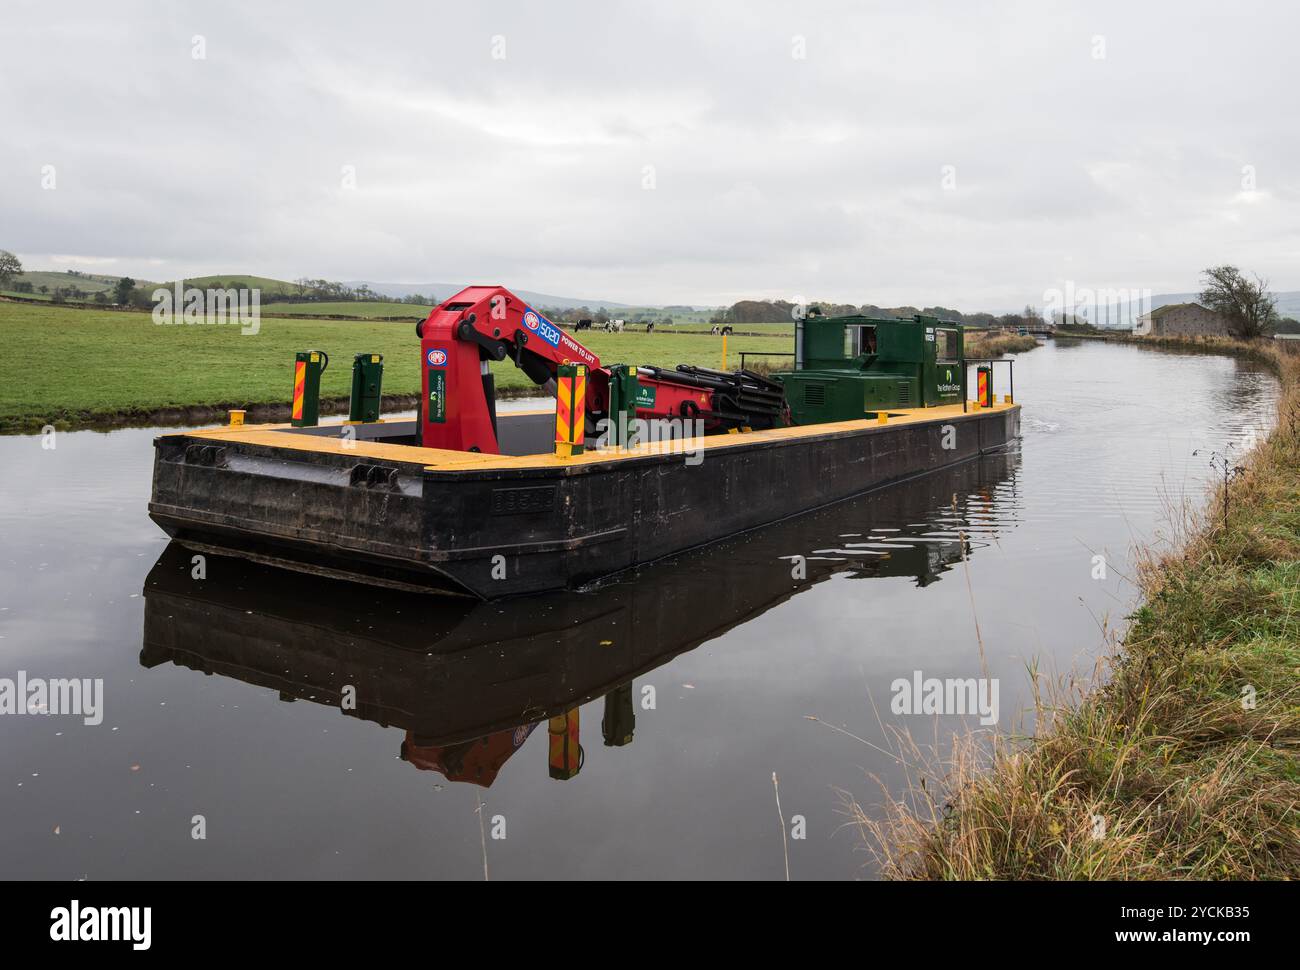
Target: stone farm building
pixel 1181 320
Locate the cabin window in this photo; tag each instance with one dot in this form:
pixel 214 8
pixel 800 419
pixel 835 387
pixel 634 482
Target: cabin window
pixel 945 346
pixel 859 341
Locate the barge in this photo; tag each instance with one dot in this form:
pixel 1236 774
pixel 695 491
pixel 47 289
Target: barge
pixel 420 666
pixel 633 465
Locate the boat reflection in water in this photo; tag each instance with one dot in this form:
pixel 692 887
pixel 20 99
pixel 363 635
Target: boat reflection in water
pixel 469 681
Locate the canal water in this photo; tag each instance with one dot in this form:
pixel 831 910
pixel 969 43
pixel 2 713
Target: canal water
pixel 313 729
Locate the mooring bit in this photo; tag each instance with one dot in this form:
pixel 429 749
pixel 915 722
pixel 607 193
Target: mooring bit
pixel 984 385
pixel 619 722
pixel 367 384
pixel 570 410
pixel 564 754
pixel 237 418
pixel 307 369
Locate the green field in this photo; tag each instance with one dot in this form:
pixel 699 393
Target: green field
pixel 772 328
pixel 71 367
pixel 46 297
pixel 698 320
pixel 364 308
pixel 681 318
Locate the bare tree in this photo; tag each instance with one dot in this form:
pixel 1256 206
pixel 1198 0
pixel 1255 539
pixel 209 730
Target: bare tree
pixel 1248 305
pixel 10 266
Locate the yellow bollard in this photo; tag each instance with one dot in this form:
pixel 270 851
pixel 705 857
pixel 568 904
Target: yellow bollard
pixel 564 750
pixel 237 418
pixel 570 409
pixel 724 352
pixel 882 417
pixel 1007 399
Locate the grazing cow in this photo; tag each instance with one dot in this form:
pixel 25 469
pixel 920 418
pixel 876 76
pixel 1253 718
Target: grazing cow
pixel 614 326
pixel 583 325
pixel 714 331
pixel 726 331
pixel 650 327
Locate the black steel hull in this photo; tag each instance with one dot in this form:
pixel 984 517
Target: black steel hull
pixel 502 531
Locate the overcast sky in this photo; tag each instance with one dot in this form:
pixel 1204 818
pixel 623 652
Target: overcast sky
pixel 658 152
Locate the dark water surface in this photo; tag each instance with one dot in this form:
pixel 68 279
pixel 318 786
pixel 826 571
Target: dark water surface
pixel 222 696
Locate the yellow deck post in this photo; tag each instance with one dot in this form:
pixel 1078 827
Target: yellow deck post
pixel 570 410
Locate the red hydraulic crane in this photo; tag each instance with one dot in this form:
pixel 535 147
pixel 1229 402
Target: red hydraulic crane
pixel 481 324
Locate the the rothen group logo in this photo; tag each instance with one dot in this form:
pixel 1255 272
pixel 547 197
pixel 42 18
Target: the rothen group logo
pixel 437 358
pixel 531 320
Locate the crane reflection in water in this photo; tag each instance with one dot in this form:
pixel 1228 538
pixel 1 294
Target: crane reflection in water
pixel 469 681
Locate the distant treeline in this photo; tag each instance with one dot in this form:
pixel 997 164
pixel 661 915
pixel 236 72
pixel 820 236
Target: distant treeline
pixel 306 290
pixel 783 311
pixel 600 316
pixel 60 294
pixel 126 292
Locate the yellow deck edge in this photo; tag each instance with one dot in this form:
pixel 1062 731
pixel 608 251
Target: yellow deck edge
pixel 441 459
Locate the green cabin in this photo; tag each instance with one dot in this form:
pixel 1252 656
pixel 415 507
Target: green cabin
pixel 852 367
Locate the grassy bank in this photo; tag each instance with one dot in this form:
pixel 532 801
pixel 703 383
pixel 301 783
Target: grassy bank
pixel 1185 762
pixel 74 367
pixel 997 345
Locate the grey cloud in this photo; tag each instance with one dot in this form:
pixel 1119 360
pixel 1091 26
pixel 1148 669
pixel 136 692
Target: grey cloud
pixel 773 175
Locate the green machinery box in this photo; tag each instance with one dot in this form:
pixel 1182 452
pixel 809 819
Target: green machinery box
pixel 851 367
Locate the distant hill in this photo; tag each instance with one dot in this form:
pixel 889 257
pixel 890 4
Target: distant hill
pixel 98 282
pixel 444 290
pixel 396 291
pixel 66 280
pixel 238 281
pixel 91 283
pixel 1120 315
pixel 1125 314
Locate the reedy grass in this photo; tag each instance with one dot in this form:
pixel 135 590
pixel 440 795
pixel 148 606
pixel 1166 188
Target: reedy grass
pixel 1156 767
pixel 997 345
